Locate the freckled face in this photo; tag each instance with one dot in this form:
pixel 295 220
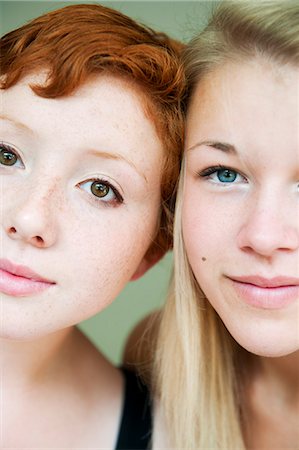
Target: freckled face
pixel 80 197
pixel 240 208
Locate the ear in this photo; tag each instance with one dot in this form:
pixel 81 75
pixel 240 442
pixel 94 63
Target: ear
pixel 146 264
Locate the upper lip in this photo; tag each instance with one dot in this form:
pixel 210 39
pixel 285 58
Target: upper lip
pixel 22 271
pixel 274 282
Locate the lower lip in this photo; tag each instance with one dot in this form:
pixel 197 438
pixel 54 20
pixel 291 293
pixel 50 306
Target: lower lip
pixel 266 298
pixel 17 286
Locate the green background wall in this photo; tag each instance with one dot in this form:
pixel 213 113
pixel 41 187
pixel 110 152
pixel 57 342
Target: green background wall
pixel 181 20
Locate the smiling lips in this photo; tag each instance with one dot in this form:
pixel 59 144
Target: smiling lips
pixel 273 293
pixel 20 281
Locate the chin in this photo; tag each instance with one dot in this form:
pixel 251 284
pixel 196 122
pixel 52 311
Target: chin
pixel 271 348
pixel 18 334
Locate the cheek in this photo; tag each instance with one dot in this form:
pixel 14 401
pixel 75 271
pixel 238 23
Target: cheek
pixel 201 230
pixel 210 224
pixel 199 239
pixel 103 256
pixel 209 230
pixel 96 277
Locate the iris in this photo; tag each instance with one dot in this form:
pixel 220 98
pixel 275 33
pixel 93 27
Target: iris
pixel 99 189
pixel 7 157
pixel 226 175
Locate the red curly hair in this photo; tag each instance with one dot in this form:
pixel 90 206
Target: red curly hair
pixel 77 41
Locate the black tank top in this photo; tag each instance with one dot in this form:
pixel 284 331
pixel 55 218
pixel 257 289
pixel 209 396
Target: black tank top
pixel 136 424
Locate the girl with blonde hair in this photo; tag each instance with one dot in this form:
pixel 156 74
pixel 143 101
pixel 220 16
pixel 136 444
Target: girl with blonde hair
pixel 227 357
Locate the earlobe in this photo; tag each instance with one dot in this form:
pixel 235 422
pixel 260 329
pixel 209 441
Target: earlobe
pixel 145 265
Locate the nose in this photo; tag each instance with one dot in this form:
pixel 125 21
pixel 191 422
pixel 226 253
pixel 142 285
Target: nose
pixel 271 225
pixel 31 218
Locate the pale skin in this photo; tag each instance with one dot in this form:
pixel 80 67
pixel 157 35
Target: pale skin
pixel 253 220
pixel 57 390
pixel 244 117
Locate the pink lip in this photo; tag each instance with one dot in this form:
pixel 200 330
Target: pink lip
pixel 20 281
pixel 267 293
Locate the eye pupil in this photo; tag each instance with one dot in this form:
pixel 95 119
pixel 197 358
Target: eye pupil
pixel 7 157
pixel 99 189
pixel 227 175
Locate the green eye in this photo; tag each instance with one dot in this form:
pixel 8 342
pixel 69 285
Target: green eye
pixel 7 156
pixel 99 189
pixel 102 192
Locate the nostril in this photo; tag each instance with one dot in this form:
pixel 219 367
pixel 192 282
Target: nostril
pixel 12 230
pixel 39 242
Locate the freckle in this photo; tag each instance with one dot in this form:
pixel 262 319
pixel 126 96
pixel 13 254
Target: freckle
pixel 203 258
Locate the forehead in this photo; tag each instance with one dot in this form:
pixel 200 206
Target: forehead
pixel 105 111
pixel 98 95
pixel 246 99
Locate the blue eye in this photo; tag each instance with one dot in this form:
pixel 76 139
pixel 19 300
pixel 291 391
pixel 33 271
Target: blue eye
pixel 226 175
pixel 222 175
pixel 9 157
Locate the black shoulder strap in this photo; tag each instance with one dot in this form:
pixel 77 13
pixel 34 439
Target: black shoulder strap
pixel 136 423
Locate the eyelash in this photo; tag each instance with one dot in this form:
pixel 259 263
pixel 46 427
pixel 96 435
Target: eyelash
pixel 99 201
pixel 206 174
pixel 8 148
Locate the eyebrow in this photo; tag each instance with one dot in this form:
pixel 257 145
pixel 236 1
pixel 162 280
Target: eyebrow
pixel 97 153
pixel 222 146
pixel 16 123
pixel 118 157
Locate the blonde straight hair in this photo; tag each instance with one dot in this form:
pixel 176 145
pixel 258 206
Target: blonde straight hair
pixel 198 365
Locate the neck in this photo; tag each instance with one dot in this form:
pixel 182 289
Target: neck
pixel 271 402
pixel 24 363
pixel 283 374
